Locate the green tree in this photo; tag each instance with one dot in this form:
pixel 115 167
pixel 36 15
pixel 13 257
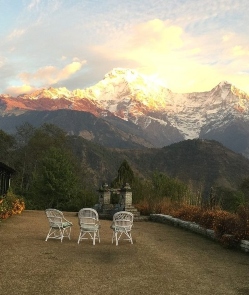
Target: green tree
pixel 7 144
pixel 165 186
pixel 55 182
pixel 23 157
pixel 32 143
pixel 24 133
pixel 244 187
pixel 125 175
pixel 229 200
pixel 49 173
pixel 142 189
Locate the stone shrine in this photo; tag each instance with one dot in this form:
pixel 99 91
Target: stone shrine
pixel 106 209
pixel 104 206
pixel 125 200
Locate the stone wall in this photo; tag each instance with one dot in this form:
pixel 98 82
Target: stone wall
pixel 194 227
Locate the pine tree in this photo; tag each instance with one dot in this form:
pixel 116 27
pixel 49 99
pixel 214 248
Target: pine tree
pixel 125 175
pixel 56 181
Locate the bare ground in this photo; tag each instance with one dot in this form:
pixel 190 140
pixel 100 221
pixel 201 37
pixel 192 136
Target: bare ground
pixel 163 260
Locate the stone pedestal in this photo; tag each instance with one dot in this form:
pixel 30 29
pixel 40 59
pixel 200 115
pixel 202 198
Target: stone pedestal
pixel 104 205
pixel 125 200
pixel 104 195
pixel 106 209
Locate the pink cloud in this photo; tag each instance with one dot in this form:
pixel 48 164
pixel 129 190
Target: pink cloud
pixel 16 90
pixel 50 75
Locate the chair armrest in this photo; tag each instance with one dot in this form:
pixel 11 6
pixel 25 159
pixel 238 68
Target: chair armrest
pixel 66 224
pixel 67 221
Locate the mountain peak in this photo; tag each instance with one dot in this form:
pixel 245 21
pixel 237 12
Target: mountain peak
pixel 52 93
pixel 140 100
pixel 224 84
pixel 133 76
pixel 129 74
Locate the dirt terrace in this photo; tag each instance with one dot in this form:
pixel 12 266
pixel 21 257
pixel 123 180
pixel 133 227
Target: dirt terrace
pixel 163 260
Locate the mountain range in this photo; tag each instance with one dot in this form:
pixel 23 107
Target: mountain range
pixel 130 110
pixel 199 163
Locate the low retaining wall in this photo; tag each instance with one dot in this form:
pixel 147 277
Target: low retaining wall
pixel 192 226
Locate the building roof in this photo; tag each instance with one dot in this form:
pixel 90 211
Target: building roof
pixel 4 167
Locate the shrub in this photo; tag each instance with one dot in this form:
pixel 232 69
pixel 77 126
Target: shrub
pixel 161 206
pixel 229 228
pixel 144 207
pixel 188 213
pixel 243 213
pixel 10 205
pixel 207 219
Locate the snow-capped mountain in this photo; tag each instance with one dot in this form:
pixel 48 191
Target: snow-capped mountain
pixel 162 116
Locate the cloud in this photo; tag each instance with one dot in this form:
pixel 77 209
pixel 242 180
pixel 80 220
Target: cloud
pixel 184 61
pixel 240 51
pixel 50 75
pixel 157 47
pixel 16 34
pixel 44 5
pixel 33 4
pixel 156 35
pixel 190 45
pixel 42 78
pixel 146 39
pixel 16 90
pixel 69 70
pixel 2 61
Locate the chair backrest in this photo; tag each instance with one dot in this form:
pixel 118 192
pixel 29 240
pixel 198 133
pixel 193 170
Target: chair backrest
pixel 55 217
pixel 88 216
pixel 123 219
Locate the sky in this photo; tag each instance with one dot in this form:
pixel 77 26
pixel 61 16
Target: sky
pixel 185 45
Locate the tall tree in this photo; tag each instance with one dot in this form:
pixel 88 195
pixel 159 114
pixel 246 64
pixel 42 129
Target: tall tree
pixel 32 143
pixel 125 174
pixel 55 182
pixel 23 159
pixel 24 133
pixel 7 143
pixel 165 186
pixel 244 187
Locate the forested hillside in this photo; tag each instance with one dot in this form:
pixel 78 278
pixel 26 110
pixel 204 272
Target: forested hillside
pixel 55 169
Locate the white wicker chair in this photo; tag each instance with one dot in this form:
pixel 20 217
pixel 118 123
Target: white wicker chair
pixel 89 224
pixel 122 225
pixel 60 227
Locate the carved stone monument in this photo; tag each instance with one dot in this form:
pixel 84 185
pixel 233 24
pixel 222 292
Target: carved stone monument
pixel 106 209
pixel 104 205
pixel 125 200
pixel 125 195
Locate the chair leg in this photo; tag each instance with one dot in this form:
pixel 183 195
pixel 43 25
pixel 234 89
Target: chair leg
pixel 81 235
pixel 94 236
pixel 128 234
pixel 112 236
pixel 117 235
pixel 62 233
pixel 48 234
pixel 130 237
pixel 69 233
pixel 59 233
